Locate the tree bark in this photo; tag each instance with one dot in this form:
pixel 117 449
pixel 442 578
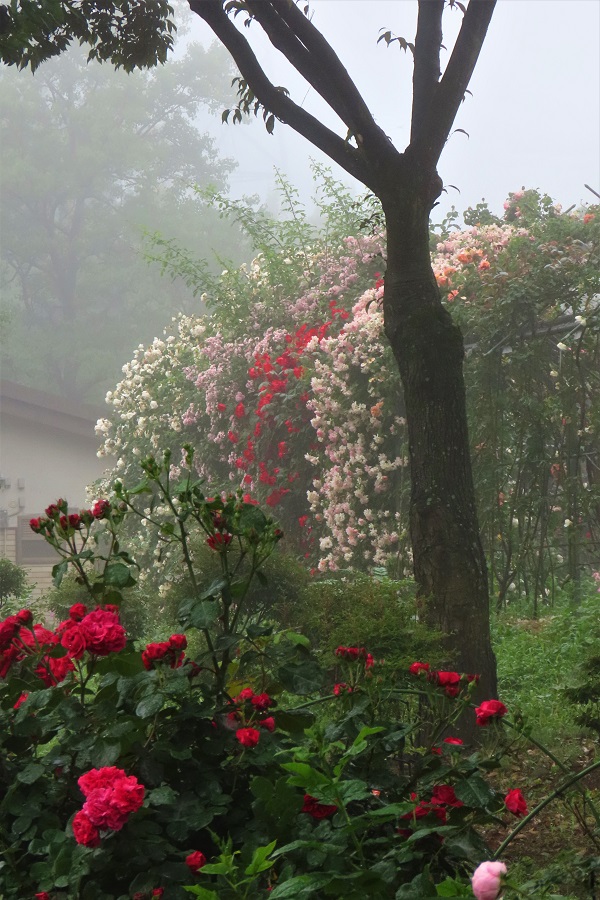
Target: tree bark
pixel 449 562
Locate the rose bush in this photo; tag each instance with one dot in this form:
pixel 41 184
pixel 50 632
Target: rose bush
pixel 288 390
pixel 222 762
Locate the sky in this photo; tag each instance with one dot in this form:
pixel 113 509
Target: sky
pixel 533 118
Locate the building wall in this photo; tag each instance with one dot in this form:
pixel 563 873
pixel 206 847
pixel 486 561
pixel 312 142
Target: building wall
pixel 45 454
pixel 44 464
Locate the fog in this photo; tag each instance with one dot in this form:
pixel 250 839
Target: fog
pixel 533 118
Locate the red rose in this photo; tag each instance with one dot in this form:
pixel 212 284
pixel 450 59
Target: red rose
pixel 111 796
pixel 73 638
pixel 39 638
pixel 248 737
pixel 417 667
pixel 178 642
pixel 195 861
pixel 515 803
pixel 21 700
pixel 240 411
pixel 77 612
pixel 43 895
pixel 444 793
pixel 158 892
pixel 8 630
pixel 100 509
pixel 7 657
pixel 315 809
pixel 489 709
pixel 218 541
pixel 244 694
pixel 261 702
pixel 85 832
pixel 453 740
pixel 447 679
pixel 54 670
pixel 36 525
pixel 268 723
pixel 100 811
pixel 104 633
pixel 25 616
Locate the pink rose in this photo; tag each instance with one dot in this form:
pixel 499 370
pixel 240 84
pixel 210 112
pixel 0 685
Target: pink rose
pixel 486 880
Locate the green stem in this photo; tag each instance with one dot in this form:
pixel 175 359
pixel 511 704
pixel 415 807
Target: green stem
pixel 555 793
pixel 557 762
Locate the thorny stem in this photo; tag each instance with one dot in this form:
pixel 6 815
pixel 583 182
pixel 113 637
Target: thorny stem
pixel 555 793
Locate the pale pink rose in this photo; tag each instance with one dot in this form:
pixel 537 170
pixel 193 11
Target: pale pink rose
pixel 486 880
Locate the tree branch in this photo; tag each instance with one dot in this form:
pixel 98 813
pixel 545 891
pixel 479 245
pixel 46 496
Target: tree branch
pixel 427 72
pixel 327 74
pixel 273 98
pixel 450 91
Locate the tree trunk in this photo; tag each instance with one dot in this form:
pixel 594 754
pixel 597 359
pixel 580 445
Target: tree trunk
pixel 449 562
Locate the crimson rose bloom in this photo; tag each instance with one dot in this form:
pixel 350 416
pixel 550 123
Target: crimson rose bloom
pixel 85 832
pixel 77 612
pixel 417 667
pixel 489 709
pixel 103 632
pixel 515 803
pixel 268 723
pixel 52 671
pixel 317 810
pixel 43 895
pixel 8 629
pixel 261 702
pixel 111 796
pixel 195 861
pixel 248 737
pixel 453 740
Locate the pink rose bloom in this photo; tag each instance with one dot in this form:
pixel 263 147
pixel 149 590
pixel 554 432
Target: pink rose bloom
pixel 486 880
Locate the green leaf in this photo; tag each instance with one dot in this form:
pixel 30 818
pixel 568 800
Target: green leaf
pixel 118 575
pixel 149 706
pixel 203 615
pixel 299 887
pixel 201 892
pixel 452 888
pixel 259 862
pixel 58 572
pixel 474 792
pixel 30 773
pixel 293 721
pixel 214 589
pixel 304 776
pixel 252 517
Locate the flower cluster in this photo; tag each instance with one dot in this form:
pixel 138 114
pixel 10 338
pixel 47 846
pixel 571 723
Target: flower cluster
pixel 58 520
pixel 442 799
pixel 170 652
pixel 248 712
pixel 98 633
pixel 317 810
pixel 452 682
pixel 111 797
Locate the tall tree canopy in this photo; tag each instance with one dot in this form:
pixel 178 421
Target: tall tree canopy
pixel 90 159
pixel 449 561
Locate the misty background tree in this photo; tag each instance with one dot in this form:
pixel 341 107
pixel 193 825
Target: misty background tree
pixel 92 159
pixel 449 562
